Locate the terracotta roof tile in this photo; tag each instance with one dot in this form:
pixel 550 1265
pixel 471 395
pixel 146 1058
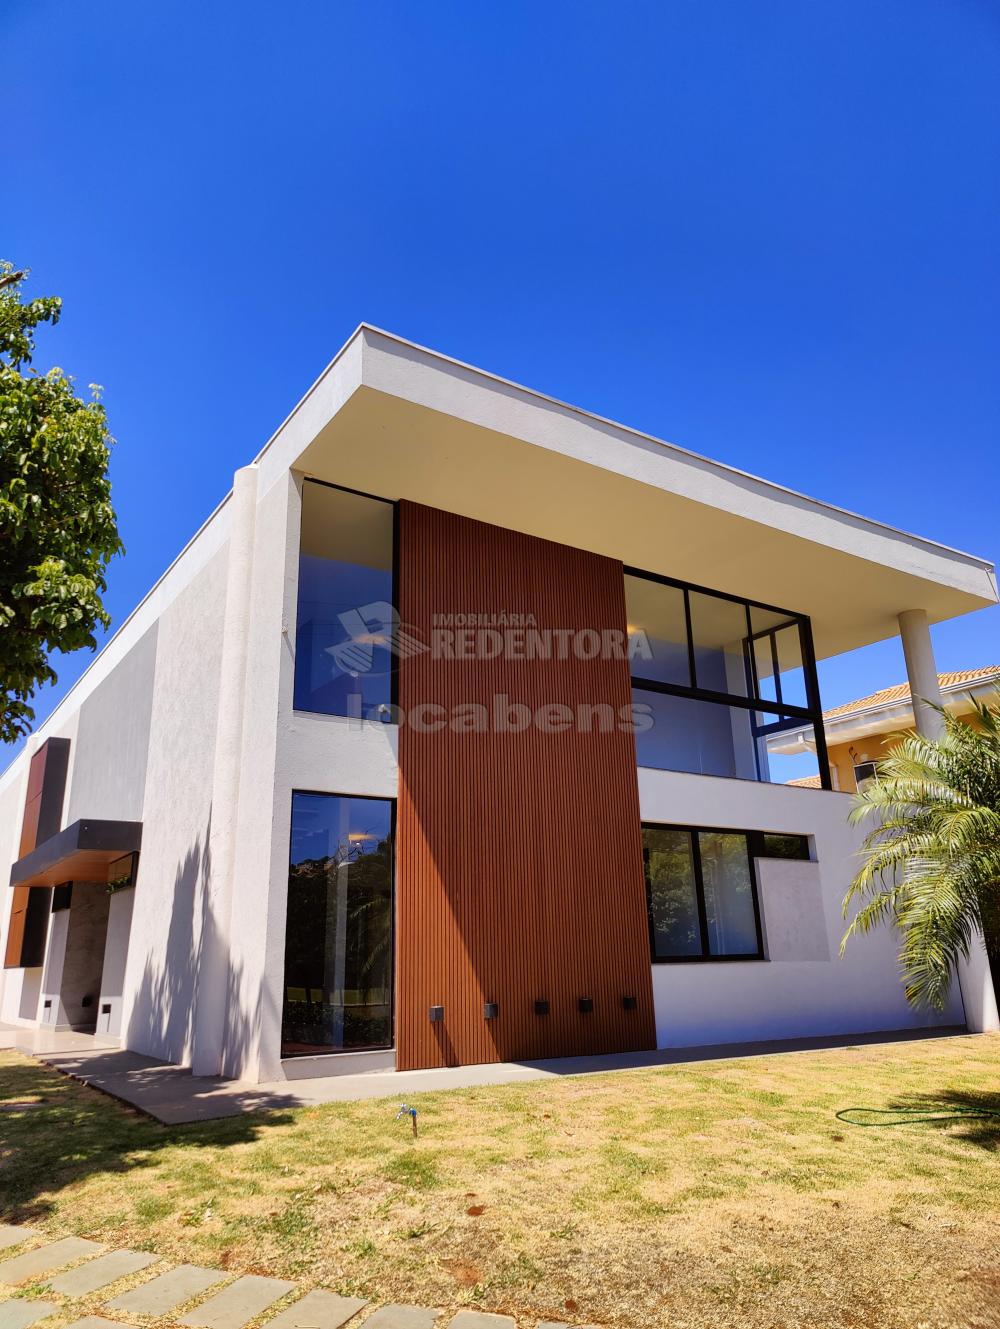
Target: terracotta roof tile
pixel 806 782
pixel 901 691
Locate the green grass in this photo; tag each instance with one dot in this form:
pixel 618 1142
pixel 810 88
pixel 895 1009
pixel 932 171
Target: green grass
pixel 718 1194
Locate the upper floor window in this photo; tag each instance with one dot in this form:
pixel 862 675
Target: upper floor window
pixel 343 660
pixel 719 676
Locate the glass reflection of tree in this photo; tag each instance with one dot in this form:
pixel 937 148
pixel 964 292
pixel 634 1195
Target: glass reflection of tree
pixel 339 942
pixel 726 876
pixel 670 873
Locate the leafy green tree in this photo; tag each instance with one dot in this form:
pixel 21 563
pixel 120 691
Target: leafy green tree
pixel 57 526
pixel 932 857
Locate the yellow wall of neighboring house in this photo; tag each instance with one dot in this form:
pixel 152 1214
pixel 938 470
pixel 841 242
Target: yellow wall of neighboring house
pixel 845 756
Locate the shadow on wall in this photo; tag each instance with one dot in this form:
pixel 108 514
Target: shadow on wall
pixel 71 1133
pixel 162 1017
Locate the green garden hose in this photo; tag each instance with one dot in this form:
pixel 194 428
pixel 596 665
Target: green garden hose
pixel 903 1116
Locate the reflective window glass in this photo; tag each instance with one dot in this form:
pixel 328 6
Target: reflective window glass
pixel 657 630
pixel 343 656
pixel 338 935
pixel 672 892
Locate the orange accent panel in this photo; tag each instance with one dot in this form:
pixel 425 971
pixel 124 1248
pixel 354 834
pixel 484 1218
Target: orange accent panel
pixel 15 932
pixel 42 812
pixel 519 855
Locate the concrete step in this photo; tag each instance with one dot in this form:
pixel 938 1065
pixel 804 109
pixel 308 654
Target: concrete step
pixel 238 1304
pixel 102 1272
pixel 162 1295
pixel 46 1259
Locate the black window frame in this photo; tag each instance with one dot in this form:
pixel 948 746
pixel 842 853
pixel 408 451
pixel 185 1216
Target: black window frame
pixel 787 715
pixel 758 840
pixel 393 598
pixel 371 798
pixel 706 956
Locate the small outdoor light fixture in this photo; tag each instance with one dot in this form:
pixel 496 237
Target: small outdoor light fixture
pixel 491 1009
pixel 437 1015
pixel 586 1005
pixel 541 1008
pixel 629 1003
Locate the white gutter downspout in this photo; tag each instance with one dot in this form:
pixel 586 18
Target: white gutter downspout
pixel 213 976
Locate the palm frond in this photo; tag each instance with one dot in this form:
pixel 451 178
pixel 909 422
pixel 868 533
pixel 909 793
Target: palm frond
pixel 931 859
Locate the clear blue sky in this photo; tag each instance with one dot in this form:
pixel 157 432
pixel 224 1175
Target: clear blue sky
pixel 765 230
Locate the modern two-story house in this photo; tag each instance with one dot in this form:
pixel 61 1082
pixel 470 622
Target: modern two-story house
pixel 445 740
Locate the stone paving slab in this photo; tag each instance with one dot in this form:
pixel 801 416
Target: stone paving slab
pixel 318 1310
pixel 13 1236
pixel 481 1320
pixel 18 1314
pixel 402 1317
pixel 239 1303
pixel 46 1259
pixel 102 1272
pixel 95 1322
pixel 161 1295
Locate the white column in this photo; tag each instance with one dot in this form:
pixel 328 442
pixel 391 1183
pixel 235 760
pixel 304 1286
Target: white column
pixel 974 976
pixel 921 671
pixel 213 980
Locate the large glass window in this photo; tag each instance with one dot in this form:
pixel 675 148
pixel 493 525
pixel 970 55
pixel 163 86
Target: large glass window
pixel 339 934
pixel 701 894
pixel 343 638
pixel 718 680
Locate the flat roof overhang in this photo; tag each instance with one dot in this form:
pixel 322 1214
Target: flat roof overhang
pixel 393 419
pixel 82 852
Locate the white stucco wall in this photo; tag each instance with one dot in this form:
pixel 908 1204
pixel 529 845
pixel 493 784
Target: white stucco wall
pixel 120 908
pixel 167 923
pixel 803 987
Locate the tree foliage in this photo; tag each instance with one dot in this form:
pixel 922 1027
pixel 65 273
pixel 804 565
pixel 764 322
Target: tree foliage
pixel 57 527
pixel 932 858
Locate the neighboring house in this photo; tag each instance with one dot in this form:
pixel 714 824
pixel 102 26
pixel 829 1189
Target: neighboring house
pixel 445 741
pixel 858 733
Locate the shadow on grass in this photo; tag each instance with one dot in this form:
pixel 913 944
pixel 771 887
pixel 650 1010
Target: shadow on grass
pixel 77 1132
pixel 971 1115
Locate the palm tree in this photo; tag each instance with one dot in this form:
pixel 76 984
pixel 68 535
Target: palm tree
pixel 932 859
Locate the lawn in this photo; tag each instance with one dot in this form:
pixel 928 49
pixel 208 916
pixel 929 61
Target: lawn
pixel 717 1194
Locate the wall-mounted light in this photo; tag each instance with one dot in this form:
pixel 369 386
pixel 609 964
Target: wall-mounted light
pixel 585 1005
pixel 437 1015
pixel 491 1009
pixel 629 1003
pixel 541 1008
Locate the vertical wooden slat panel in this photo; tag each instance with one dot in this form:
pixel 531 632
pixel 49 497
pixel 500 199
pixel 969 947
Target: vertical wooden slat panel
pixel 41 820
pixel 519 855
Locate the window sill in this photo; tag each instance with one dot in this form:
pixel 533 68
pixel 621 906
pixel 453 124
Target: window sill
pixel 709 959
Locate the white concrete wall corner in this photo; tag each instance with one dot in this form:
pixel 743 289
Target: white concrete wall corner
pixel 167 925
pixel 256 958
pixel 805 988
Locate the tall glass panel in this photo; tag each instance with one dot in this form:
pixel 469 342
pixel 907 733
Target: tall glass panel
pixel 338 936
pixel 728 885
pixel 343 657
pixel 657 629
pixel 672 893
pixel 719 630
pixel 703 737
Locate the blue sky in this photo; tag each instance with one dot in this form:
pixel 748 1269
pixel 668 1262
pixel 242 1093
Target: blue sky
pixel 765 231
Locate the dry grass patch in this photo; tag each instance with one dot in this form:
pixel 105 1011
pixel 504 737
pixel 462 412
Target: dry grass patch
pixel 712 1194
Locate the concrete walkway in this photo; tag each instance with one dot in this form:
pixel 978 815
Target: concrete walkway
pixel 81 1280
pixel 173 1095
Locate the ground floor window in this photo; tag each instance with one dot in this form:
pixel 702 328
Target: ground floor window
pixel 701 892
pixel 339 933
